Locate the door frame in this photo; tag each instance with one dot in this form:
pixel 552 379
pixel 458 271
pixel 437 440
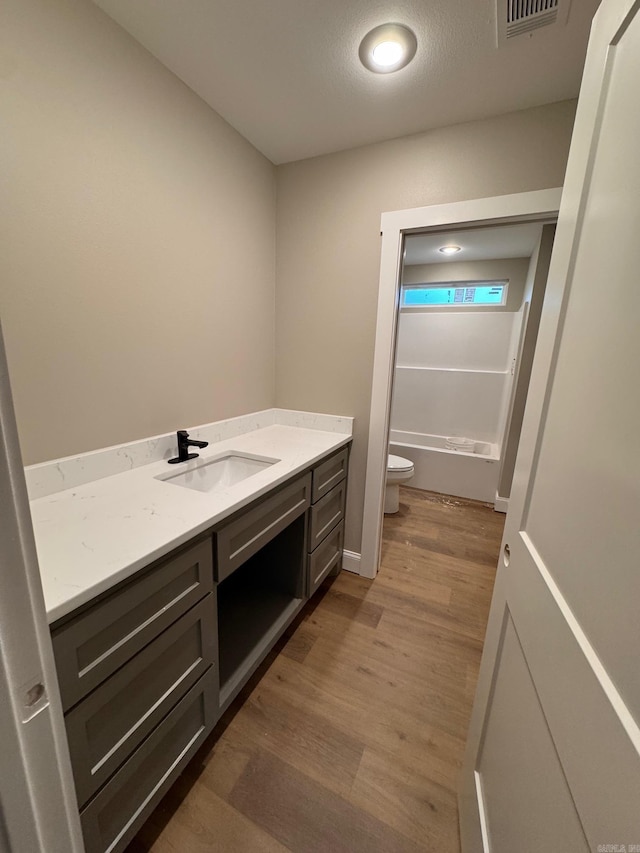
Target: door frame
pixel 38 806
pixel 394 225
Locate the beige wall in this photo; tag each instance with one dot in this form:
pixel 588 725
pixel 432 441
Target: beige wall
pixel 328 237
pixel 138 234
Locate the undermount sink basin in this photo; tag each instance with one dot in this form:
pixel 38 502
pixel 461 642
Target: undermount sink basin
pixel 214 475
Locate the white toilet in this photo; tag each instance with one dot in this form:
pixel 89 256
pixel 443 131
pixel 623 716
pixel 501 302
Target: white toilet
pixel 399 470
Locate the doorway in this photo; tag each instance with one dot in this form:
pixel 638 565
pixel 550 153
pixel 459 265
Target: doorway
pixel 437 224
pixel 469 312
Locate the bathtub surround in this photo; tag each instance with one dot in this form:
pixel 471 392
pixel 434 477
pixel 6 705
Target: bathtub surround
pixel 453 371
pixel 453 376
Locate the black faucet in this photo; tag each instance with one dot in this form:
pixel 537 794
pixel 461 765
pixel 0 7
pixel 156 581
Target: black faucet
pixel 184 443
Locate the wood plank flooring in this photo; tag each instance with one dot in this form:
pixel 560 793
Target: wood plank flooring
pixel 351 735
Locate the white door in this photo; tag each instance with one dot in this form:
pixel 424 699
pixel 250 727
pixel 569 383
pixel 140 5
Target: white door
pixel 38 809
pixel 553 757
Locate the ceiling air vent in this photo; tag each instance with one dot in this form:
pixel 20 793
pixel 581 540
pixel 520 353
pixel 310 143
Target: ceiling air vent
pixel 522 17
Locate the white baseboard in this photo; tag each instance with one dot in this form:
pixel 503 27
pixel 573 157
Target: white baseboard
pixel 501 504
pixel 351 562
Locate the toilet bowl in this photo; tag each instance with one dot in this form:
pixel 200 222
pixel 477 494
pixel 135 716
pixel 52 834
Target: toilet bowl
pixel 399 470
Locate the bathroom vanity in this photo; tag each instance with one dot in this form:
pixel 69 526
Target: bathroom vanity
pixel 147 666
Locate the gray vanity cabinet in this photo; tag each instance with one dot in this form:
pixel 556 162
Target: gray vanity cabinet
pixel 100 638
pixel 111 722
pixel 239 539
pixel 138 672
pixel 326 559
pixel 147 668
pixel 326 519
pixel 118 810
pixel 329 473
pixel 326 514
pixel 260 565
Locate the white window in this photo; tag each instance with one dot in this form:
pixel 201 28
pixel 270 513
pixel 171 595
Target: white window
pixel 454 294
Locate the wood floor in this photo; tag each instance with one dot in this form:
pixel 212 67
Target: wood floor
pixel 351 736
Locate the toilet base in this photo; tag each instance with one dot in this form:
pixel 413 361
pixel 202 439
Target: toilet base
pixel 391 498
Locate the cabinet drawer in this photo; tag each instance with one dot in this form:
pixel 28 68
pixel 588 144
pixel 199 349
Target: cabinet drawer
pixel 325 558
pixel 117 811
pixel 247 534
pixel 90 647
pixel 329 473
pixel 111 722
pixel 328 512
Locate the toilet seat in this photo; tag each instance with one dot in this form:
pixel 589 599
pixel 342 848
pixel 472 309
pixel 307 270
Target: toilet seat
pixel 397 464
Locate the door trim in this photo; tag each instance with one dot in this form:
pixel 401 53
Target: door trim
pixel 519 207
pixel 37 794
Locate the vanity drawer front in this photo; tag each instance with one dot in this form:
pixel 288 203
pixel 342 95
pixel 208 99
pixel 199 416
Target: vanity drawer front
pixel 111 722
pixel 328 512
pixel 117 811
pixel 247 534
pixel 329 473
pixel 326 558
pixel 94 644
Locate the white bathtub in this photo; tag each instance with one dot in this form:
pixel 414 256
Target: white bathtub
pixel 450 472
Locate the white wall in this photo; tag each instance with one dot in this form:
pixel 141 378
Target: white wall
pixel 138 234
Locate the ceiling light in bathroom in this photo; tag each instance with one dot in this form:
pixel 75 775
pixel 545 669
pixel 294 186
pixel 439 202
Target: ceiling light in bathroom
pixel 450 250
pixel 388 48
pixel 387 53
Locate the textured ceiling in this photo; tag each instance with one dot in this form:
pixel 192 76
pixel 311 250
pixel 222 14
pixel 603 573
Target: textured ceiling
pixel 286 73
pixel 476 244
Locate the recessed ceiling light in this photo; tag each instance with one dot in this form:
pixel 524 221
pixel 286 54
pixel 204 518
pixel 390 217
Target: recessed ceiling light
pixel 450 250
pixel 387 53
pixel 388 48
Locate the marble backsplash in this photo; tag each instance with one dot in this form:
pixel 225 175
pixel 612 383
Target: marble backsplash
pixel 47 478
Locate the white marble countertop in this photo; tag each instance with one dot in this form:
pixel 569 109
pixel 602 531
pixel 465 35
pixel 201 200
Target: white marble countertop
pixel 93 535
